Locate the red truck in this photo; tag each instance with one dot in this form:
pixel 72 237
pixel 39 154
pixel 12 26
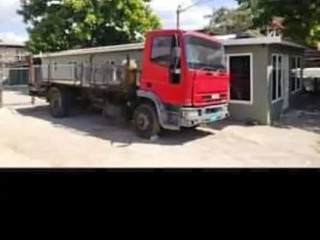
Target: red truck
pixel 175 79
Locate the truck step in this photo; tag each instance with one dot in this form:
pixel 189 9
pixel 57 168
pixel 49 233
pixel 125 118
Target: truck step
pixel 171 121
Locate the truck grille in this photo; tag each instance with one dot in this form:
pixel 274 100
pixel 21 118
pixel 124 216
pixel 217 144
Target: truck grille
pixel 212 110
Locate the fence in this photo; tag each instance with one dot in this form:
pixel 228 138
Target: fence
pixel 14 76
pixel 86 75
pixel 96 75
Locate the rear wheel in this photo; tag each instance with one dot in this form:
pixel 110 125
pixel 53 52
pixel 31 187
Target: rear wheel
pixel 60 102
pixel 146 121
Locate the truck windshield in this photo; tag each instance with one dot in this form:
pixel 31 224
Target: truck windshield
pixel 204 54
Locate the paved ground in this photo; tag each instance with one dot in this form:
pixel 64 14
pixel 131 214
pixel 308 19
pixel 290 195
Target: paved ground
pixel 29 137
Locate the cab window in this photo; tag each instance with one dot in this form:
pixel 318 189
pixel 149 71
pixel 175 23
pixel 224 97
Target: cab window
pixel 161 50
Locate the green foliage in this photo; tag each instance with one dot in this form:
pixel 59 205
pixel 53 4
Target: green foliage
pixel 301 17
pixel 64 24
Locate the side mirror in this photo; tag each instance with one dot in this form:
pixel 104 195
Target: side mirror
pixel 175 66
pixel 175 57
pixel 175 61
pixel 176 52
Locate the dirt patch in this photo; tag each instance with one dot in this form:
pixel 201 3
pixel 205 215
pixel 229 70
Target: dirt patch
pixel 31 137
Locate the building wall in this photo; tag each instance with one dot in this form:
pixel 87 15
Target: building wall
pixel 11 54
pixel 258 109
pixel 11 58
pixel 276 109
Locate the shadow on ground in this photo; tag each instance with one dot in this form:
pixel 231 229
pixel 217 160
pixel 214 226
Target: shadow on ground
pixel 219 126
pixel 16 96
pixel 305 116
pixel 119 133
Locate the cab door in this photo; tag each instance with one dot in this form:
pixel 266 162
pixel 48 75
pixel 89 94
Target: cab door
pixel 162 67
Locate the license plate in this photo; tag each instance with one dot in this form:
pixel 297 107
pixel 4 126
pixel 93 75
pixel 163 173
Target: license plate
pixel 215 96
pixel 213 119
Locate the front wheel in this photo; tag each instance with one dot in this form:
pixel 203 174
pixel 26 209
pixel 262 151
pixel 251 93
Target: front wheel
pixel 146 121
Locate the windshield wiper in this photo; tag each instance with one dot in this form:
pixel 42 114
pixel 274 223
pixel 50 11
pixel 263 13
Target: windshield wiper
pixel 214 68
pixel 209 68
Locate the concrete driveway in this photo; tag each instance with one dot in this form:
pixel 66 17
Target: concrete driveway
pixel 30 137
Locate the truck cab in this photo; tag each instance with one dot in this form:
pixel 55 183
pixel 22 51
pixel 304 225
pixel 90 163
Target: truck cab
pixel 185 73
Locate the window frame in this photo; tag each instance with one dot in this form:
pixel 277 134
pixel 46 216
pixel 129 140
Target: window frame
pixel 246 54
pixel 296 59
pixel 277 55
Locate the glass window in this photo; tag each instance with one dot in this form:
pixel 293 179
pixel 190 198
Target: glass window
pixel 274 62
pixel 204 54
pixel 277 77
pixel 295 74
pixel 161 49
pixel 279 81
pixel 299 73
pixel 240 77
pixel 292 74
pixel 274 84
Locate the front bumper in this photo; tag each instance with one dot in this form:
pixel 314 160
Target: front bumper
pixel 194 116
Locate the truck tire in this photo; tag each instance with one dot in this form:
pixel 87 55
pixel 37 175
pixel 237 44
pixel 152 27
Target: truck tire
pixel 146 121
pixel 60 102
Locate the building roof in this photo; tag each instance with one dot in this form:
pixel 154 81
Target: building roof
pixel 83 51
pixel 260 41
pixel 312 54
pixel 225 37
pixel 11 44
pixel 312 57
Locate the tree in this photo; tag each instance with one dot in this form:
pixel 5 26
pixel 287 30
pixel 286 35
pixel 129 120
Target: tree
pixel 229 21
pixel 301 18
pixel 64 24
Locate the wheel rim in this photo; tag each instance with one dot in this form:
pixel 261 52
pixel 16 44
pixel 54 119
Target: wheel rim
pixel 143 121
pixel 55 101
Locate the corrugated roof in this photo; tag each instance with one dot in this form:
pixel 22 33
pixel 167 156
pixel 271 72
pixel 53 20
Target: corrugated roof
pixel 11 44
pixel 313 53
pixel 225 37
pixel 312 57
pixel 114 48
pixel 260 41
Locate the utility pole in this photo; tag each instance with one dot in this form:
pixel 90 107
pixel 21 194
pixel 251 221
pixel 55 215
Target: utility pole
pixel 179 10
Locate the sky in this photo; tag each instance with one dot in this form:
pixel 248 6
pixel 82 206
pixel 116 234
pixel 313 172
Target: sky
pixel 12 28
